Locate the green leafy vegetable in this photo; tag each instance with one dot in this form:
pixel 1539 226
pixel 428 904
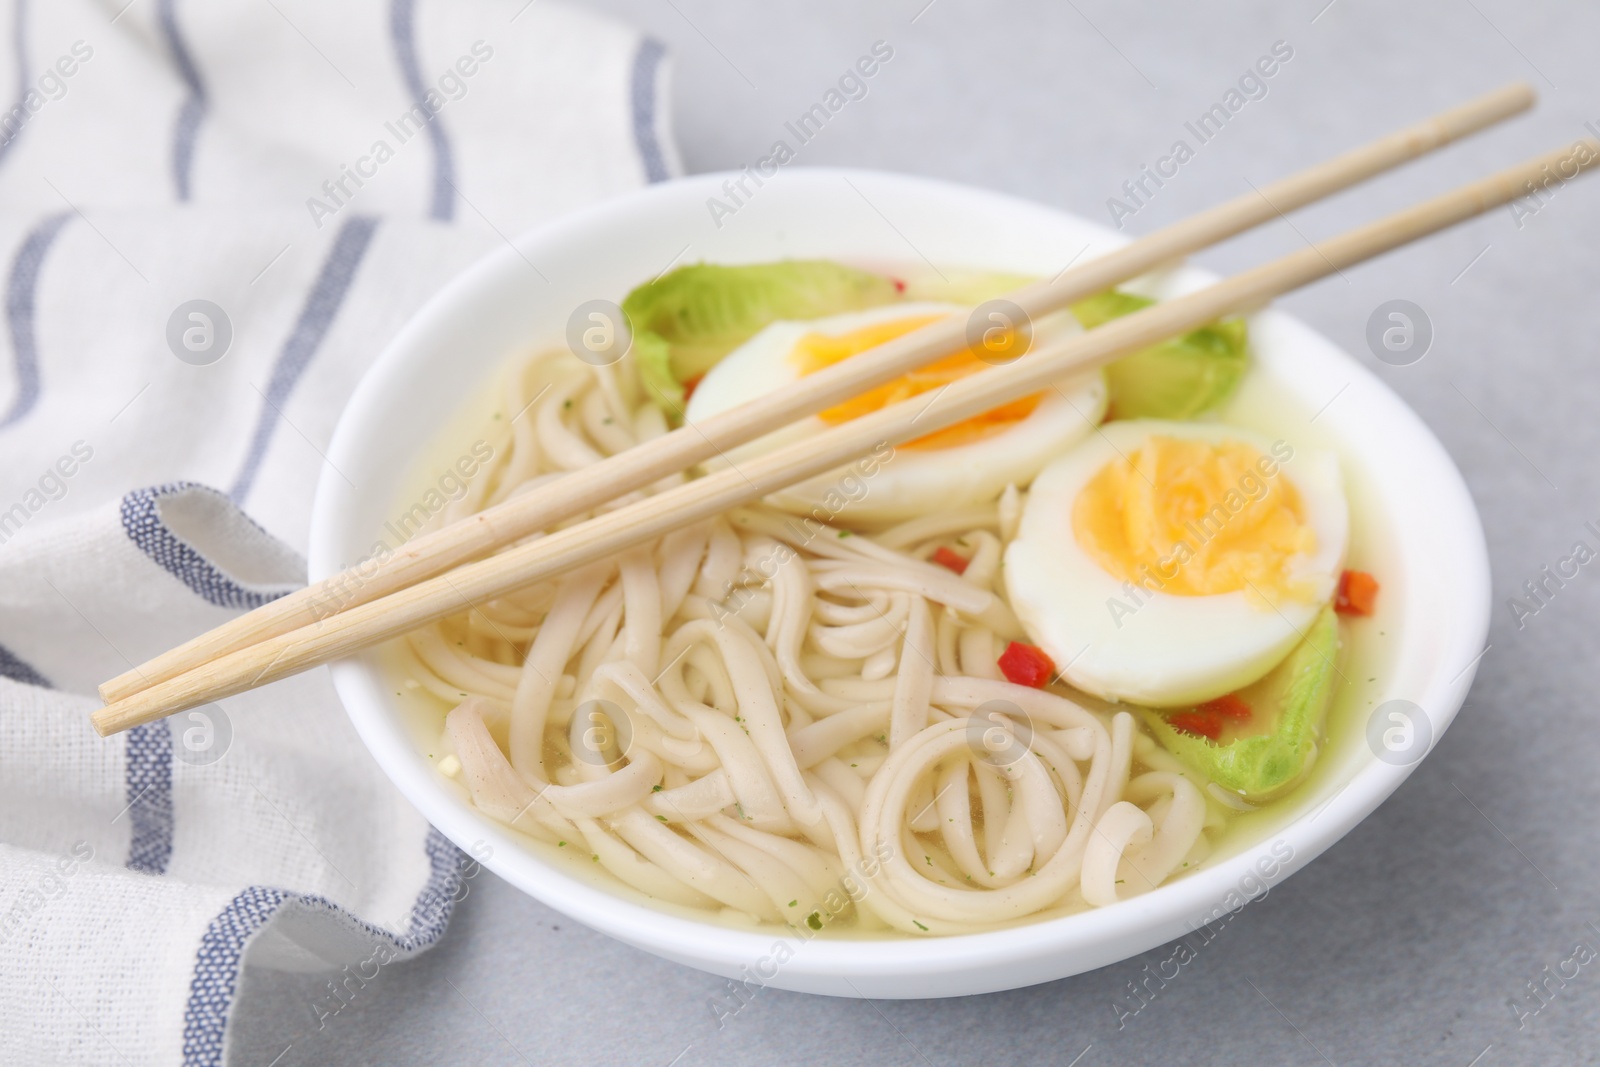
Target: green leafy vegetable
pixel 1177 379
pixel 962 286
pixel 1296 693
pixel 687 320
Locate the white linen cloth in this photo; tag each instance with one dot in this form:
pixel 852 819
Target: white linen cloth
pixel 316 171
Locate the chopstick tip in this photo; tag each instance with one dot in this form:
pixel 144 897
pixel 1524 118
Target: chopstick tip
pixel 1521 92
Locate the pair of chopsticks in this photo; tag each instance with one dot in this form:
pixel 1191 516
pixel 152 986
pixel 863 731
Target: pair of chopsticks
pixel 452 569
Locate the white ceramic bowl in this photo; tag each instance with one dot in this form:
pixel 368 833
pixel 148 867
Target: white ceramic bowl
pixel 1414 524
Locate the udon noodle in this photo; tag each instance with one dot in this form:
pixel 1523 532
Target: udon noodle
pixel 777 718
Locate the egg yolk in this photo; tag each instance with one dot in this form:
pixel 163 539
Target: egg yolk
pixel 815 351
pixel 1195 518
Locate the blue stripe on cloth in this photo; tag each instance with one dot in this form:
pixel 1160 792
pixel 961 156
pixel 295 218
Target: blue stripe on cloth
pixel 18 669
pixel 216 972
pixel 194 105
pixel 149 756
pixel 17 112
pixel 327 294
pixel 403 29
pixel 646 61
pixel 20 292
pixel 141 519
pixel 216 966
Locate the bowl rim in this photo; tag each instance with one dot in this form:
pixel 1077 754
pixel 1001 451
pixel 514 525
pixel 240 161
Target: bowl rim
pixel 1100 936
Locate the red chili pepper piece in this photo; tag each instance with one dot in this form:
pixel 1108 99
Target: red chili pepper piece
pixel 948 557
pixel 1026 665
pixel 1231 706
pixel 1357 595
pixel 899 286
pixel 1197 723
pixel 690 386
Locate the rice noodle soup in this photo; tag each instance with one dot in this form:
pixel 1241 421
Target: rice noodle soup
pixel 1030 665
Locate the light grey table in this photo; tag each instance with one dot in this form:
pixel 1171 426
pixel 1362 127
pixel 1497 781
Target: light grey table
pixel 1407 942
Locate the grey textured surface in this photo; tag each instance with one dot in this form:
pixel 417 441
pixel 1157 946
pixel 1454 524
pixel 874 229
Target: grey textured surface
pixel 1406 942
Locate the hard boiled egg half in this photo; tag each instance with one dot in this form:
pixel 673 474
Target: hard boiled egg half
pixel 1170 563
pixel 968 463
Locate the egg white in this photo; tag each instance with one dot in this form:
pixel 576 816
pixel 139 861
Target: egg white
pixel 1157 648
pixel 912 481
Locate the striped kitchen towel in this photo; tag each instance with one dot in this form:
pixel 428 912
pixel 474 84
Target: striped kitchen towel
pixel 212 217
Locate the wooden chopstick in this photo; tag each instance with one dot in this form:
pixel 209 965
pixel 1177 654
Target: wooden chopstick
pixel 598 538
pixel 438 551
